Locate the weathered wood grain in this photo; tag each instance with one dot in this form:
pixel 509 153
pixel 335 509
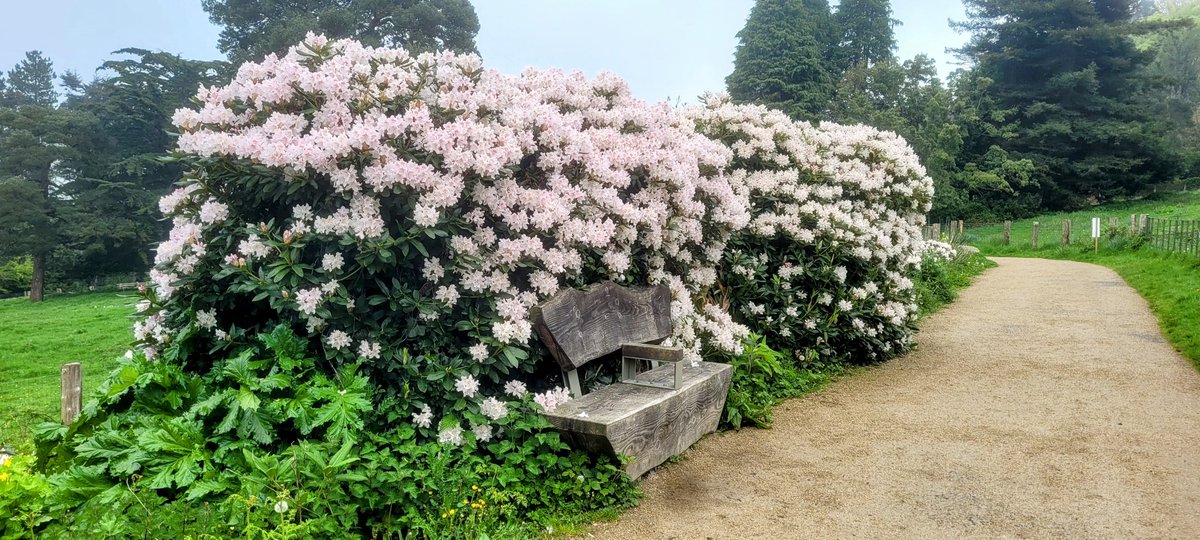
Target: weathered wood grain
pixel 656 353
pixel 581 326
pixel 648 424
pixel 72 391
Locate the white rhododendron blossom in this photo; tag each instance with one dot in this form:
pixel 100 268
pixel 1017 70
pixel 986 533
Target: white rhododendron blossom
pixel 834 209
pixel 938 250
pixel 451 435
pixel 551 399
pixel 411 210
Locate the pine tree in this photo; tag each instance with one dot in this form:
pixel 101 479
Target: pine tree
pixel 31 82
pixel 254 28
pixel 866 32
pixel 1068 76
pixel 784 57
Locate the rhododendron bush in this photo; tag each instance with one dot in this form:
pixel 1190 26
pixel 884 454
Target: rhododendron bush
pixel 407 212
pixel 386 203
pixel 826 259
pixel 389 221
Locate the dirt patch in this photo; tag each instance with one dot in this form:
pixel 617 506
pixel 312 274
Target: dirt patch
pixel 1035 406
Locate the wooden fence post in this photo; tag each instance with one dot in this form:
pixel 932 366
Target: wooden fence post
pixel 937 231
pixel 72 391
pixel 960 230
pixel 1066 239
pixel 1035 234
pixel 1007 232
pixel 1133 224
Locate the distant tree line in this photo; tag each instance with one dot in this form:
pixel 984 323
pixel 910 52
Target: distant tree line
pixel 1061 104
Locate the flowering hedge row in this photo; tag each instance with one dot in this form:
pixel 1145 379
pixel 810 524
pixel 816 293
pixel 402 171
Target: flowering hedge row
pixel 826 258
pixel 407 212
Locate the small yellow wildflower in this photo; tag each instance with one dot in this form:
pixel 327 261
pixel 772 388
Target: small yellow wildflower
pixel 475 488
pixel 443 514
pixel 3 477
pixel 451 512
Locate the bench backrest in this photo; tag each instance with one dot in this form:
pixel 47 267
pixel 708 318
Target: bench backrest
pixel 581 326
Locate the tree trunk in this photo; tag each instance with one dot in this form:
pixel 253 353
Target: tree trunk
pixel 38 284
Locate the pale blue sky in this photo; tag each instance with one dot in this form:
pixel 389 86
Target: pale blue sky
pixel 666 49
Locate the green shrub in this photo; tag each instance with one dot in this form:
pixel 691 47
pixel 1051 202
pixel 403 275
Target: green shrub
pixel 268 445
pixel 23 493
pixel 16 275
pixel 762 377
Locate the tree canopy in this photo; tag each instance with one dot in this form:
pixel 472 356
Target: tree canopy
pixel 784 58
pixel 255 28
pixel 1068 76
pixel 866 32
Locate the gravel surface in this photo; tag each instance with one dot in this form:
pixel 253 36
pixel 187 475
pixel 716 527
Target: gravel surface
pixel 1043 403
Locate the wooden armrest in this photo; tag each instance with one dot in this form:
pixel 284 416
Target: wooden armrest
pixel 632 352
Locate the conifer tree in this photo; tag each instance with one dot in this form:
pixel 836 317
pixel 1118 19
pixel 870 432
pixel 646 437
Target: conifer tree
pixel 31 82
pixel 784 58
pixel 866 32
pixel 254 28
pixel 1069 77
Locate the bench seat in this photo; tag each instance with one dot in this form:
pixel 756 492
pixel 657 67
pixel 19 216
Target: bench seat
pixel 648 424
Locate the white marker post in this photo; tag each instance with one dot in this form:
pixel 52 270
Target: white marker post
pixel 1096 235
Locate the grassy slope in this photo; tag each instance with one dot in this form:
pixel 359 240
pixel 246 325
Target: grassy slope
pixel 1169 282
pixel 36 339
pixel 990 238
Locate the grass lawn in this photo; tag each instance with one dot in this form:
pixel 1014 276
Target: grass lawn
pixel 1169 282
pixel 36 339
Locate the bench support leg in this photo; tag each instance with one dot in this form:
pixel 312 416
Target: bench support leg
pixel 573 383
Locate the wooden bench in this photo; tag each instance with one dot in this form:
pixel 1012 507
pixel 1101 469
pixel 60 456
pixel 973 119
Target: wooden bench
pixel 649 416
pixel 126 286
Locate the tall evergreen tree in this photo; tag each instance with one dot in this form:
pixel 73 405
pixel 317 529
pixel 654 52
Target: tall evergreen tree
pixel 1072 76
pixel 254 28
pixel 785 57
pixel 116 219
pixel 40 148
pixel 31 82
pixel 1176 70
pixel 867 35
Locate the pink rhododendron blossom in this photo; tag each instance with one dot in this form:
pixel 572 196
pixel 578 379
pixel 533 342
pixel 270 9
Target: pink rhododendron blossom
pixel 332 262
pixel 338 339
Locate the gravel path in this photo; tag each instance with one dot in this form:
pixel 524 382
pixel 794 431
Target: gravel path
pixel 1043 403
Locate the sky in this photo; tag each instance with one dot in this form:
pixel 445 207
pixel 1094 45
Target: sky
pixel 666 49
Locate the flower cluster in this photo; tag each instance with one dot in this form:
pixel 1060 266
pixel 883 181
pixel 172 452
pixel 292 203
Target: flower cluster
pixel 938 250
pixel 834 234
pixel 408 211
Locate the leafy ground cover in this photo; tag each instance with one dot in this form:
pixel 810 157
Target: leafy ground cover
pixel 1169 282
pixel 36 339
pixel 94 328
